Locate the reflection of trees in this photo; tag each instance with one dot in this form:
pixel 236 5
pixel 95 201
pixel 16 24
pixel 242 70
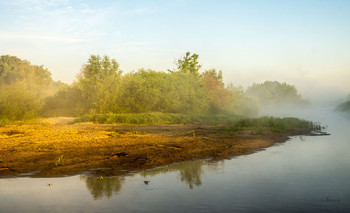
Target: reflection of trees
pixel 103 188
pixel 190 172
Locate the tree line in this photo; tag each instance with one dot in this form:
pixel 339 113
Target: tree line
pixel 102 87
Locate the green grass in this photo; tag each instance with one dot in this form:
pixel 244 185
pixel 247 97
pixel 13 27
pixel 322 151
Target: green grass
pixel 263 124
pixel 235 123
pixel 157 118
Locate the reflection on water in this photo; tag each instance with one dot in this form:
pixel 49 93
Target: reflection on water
pixel 103 188
pixel 190 172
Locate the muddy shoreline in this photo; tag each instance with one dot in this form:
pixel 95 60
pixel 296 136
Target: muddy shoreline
pixel 60 149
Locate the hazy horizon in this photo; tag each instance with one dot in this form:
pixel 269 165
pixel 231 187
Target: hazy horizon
pixel 304 43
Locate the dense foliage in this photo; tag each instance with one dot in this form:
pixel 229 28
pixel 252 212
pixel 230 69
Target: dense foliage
pixel 275 93
pixel 102 88
pixel 264 124
pixel 103 92
pixel 22 88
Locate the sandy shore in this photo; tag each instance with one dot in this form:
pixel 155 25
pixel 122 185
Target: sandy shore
pixel 58 149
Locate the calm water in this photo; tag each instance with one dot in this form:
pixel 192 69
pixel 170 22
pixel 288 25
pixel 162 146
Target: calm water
pixel 305 174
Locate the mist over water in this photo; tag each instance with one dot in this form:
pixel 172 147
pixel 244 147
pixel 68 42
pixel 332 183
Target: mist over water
pixel 284 59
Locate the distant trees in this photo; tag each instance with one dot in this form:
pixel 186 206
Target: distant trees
pixel 274 92
pixel 344 107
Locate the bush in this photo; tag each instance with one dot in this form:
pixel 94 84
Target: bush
pixel 18 103
pixel 263 124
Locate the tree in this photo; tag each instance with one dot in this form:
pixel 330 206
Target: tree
pixel 274 92
pixel 240 103
pixel 151 91
pixel 217 94
pixel 67 101
pixel 17 102
pixel 188 64
pixel 35 78
pixel 98 82
pixel 23 86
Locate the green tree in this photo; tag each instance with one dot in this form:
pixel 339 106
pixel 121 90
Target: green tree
pixel 240 103
pixel 17 102
pixel 274 92
pixel 148 90
pixel 188 64
pixel 98 82
pixel 35 78
pixel 23 86
pixel 68 101
pixel 188 93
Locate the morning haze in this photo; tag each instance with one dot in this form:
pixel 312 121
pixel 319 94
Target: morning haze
pixel 174 106
pixel 304 43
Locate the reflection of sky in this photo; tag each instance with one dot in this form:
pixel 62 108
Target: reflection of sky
pixel 295 41
pixel 290 177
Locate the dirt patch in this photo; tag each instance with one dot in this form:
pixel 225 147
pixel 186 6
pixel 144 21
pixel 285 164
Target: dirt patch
pixel 57 150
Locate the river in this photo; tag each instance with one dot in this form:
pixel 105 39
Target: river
pixel 304 174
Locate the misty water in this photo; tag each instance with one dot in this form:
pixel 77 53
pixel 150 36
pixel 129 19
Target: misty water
pixel 304 174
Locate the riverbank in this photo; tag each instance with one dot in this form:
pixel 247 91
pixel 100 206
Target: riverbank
pixel 53 150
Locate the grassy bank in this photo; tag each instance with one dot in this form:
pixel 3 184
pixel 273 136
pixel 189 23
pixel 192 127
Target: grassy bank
pixel 152 118
pixel 234 123
pixel 280 125
pixel 59 149
pixel 51 148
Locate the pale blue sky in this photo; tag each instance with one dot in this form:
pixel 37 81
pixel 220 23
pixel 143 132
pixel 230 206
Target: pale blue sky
pixel 302 42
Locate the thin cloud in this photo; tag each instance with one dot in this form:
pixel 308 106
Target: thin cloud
pixel 58 20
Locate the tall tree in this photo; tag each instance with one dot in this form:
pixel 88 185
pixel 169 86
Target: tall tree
pixel 98 81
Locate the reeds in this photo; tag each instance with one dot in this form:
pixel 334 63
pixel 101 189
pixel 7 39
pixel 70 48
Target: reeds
pixel 281 125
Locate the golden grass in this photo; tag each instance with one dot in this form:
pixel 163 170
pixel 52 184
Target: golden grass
pixel 55 150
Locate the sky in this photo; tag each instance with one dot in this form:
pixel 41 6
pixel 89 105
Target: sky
pixel 301 42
